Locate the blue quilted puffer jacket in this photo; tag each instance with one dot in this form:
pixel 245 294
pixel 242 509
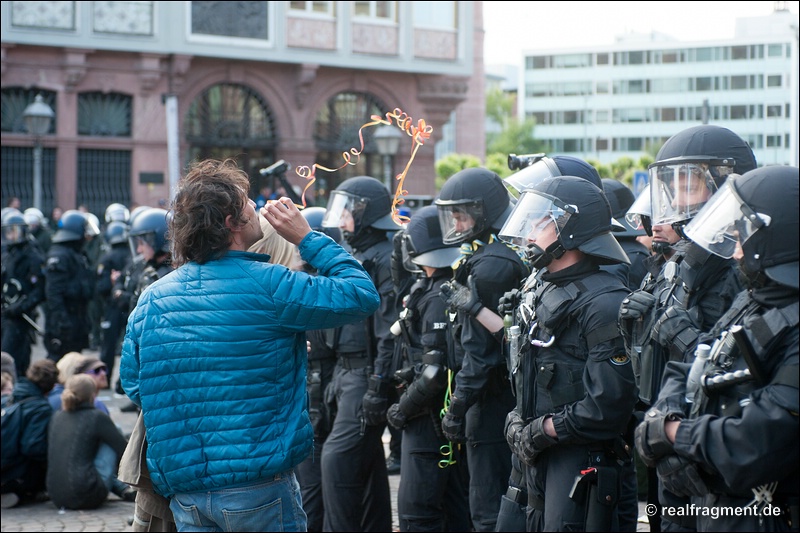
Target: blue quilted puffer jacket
pixel 215 355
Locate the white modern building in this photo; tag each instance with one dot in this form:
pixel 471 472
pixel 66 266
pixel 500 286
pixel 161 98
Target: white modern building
pixel 612 101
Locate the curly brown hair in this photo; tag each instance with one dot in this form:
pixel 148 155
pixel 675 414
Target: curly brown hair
pixel 44 374
pixel 210 192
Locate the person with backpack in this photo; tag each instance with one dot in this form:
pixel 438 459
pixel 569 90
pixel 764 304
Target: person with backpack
pixel 24 434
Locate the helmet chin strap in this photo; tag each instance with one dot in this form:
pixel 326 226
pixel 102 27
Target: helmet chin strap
pixel 678 227
pixel 661 247
pixel 541 258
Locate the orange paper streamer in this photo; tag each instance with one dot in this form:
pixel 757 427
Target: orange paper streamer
pixel 419 133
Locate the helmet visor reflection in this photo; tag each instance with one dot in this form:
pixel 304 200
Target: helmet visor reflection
pixel 532 215
pixel 678 191
pixel 341 208
pixel 723 221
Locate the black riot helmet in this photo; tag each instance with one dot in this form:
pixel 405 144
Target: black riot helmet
pixel 543 167
pixel 315 216
pixel 621 198
pixel 690 167
pixel 422 240
pixel 579 214
pixel 366 200
pixel 471 203
pixel 15 229
pixel 74 226
pixel 758 210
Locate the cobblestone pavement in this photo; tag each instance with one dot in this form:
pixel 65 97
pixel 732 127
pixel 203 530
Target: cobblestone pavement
pixel 115 513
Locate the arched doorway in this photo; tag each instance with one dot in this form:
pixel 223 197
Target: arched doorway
pixel 230 120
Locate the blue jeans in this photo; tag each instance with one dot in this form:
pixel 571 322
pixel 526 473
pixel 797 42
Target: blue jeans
pixel 105 462
pixel 274 505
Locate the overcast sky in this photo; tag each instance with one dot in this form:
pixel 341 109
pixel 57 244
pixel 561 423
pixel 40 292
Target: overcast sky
pixel 513 27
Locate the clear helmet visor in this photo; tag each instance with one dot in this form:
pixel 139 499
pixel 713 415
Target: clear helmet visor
pixel 530 176
pixel 678 191
pixel 533 216
pixel 342 210
pixel 460 222
pixel 725 221
pixel 14 234
pixel 639 208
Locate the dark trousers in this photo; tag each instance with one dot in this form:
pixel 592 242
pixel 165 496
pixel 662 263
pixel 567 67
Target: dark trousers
pixel 355 485
pixel 112 327
pixel 514 503
pixel 488 455
pixel 16 340
pixel 309 476
pixel 431 497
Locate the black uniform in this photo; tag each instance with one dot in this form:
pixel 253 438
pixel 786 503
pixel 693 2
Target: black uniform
pixel 482 384
pixel 23 280
pixel 118 257
pixel 433 493
pixel 70 286
pixel 354 479
pixel 321 362
pixel 584 380
pixel 741 432
pixel 704 285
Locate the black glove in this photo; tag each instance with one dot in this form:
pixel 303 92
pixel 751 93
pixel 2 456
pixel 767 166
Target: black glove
pixel 508 302
pixel 651 438
pixel 534 441
pixel 376 401
pixel 453 425
pixel 513 431
pixel 13 310
pixel 681 477
pixel 462 298
pixel 636 305
pixel 395 417
pixel 675 330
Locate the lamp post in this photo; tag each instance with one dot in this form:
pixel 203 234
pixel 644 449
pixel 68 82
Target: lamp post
pixel 387 138
pixel 38 117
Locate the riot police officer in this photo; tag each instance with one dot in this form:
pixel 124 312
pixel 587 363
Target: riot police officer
pixel 432 495
pixel 473 204
pixel 69 286
pixel 577 386
pixel 38 228
pixel 694 287
pixel 724 429
pixel 148 238
pixel 23 289
pixel 354 478
pixel 110 267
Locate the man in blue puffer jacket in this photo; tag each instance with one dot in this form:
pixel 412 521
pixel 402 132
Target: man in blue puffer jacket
pixel 215 354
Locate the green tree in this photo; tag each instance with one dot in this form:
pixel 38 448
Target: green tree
pixel 452 163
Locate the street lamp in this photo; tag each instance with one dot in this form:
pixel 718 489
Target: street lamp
pixel 387 138
pixel 38 117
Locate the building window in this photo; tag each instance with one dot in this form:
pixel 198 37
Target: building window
pixel 435 15
pixel 602 87
pixel 738 83
pixel 245 20
pixel 386 11
pixel 572 60
pixel 601 116
pixel 704 54
pixel 775 50
pixel 669 114
pixel 738 53
pixel 14 102
pixel 104 115
pixel 316 8
pixel 703 84
pixel 601 144
pixel 537 62
pixel 738 112
pixel 602 59
pixel 125 18
pixel 669 56
pixel 774 80
pixel 774 111
pixel 636 58
pixel 104 177
pixel 773 141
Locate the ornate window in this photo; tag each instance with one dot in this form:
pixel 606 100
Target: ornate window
pixel 104 115
pixel 14 102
